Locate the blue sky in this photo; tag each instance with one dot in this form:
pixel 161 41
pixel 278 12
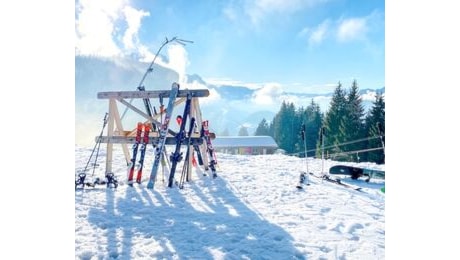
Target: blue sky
pixel 303 45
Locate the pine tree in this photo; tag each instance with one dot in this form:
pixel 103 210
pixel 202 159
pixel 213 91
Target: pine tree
pixel 376 117
pixel 351 129
pixel 243 131
pixel 314 118
pixel 263 128
pixel 333 119
pixel 284 131
pixel 225 132
pixel 300 119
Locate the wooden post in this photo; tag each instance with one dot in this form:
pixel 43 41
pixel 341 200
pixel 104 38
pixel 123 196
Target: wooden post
pixel 110 126
pixel 120 130
pixel 203 147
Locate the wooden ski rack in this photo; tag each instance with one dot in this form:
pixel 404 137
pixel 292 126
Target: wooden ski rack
pixel 115 129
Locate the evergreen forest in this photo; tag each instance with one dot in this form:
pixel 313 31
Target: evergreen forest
pixel 343 133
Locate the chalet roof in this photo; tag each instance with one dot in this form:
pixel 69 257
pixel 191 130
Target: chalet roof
pixel 244 141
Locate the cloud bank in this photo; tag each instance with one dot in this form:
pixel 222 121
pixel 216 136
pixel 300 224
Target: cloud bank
pixel 110 29
pixel 268 94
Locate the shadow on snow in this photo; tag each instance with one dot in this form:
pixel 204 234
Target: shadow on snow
pixel 204 220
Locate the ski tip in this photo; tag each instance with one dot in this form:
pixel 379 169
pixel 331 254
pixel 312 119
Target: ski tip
pixel 299 187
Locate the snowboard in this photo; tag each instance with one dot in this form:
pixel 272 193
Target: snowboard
pixel 356 172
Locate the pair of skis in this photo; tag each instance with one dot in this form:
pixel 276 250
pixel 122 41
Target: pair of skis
pixel 210 150
pixel 186 169
pixel 160 146
pixel 337 181
pixel 143 141
pixel 176 156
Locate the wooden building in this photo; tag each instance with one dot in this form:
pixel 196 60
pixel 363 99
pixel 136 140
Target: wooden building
pixel 252 145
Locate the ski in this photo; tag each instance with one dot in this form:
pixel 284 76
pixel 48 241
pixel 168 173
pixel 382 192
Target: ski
pixel 163 132
pixel 210 149
pixel 185 170
pixel 132 165
pixel 316 176
pixel 339 182
pixel 198 153
pixel 336 181
pixel 145 141
pixel 176 156
pixel 110 181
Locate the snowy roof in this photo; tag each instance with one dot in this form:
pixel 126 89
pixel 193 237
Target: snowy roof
pixel 244 141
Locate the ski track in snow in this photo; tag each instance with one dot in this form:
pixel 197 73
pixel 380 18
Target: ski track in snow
pixel 251 211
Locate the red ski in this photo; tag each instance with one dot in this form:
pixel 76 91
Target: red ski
pixel 145 142
pixel 135 148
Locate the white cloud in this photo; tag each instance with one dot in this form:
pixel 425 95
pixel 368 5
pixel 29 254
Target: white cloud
pixel 213 97
pixel 230 13
pixel 177 61
pixel 95 27
pixel 107 28
pixel 268 94
pixel 352 29
pixel 319 33
pixel 231 82
pixel 297 101
pixel 283 6
pixel 369 96
pixel 133 18
pixel 304 32
pixel 259 10
pixel 246 125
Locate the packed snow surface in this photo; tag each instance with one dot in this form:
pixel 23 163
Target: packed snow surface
pixel 252 210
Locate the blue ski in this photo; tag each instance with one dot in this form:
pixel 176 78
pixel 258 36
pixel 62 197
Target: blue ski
pixel 163 133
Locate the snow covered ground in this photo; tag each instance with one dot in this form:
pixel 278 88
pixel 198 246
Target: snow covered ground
pixel 251 211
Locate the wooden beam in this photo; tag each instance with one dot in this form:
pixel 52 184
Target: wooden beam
pixel 150 119
pixel 151 94
pixel 140 112
pixel 130 140
pixel 135 109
